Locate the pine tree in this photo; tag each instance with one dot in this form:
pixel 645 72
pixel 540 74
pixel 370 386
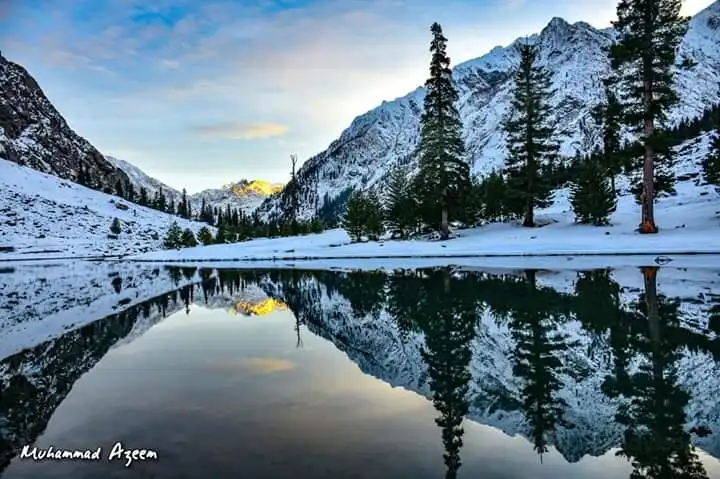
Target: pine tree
pixel 115 227
pixel 493 194
pixel 711 163
pixel 529 138
pixel 173 237
pixel 353 221
pixel 593 199
pixel 221 235
pixel 400 211
pixel 608 114
pixel 205 236
pixel 161 202
pixel 143 200
pixel 444 177
pixel 649 32
pixel 119 190
pixel 131 193
pixel 188 238
pixel 373 215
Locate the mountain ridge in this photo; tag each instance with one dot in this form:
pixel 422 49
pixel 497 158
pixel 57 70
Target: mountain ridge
pixel 244 194
pixel 34 133
pixel 575 55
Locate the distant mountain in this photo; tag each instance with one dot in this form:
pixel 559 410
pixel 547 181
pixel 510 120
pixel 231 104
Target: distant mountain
pixel 140 179
pixel 245 195
pixel 35 134
pixel 574 55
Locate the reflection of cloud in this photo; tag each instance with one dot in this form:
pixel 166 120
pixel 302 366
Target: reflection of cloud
pixel 253 365
pixel 241 131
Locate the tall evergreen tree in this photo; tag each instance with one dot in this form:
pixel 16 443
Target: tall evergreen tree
pixel 143 200
pixel 529 138
pixel 609 114
pixel 649 32
pixel 183 206
pixel 493 196
pixel 593 199
pixel 399 209
pixel 353 221
pixel 373 215
pixel 131 192
pixel 119 190
pixel 444 177
pixel 162 201
pixel 711 163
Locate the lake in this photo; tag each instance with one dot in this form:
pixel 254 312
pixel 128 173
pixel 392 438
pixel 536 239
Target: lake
pixel 422 373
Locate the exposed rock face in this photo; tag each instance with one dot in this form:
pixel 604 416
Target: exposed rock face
pixel 33 133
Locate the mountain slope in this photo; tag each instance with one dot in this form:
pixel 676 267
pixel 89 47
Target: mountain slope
pixel 34 133
pixel 42 215
pixel 574 54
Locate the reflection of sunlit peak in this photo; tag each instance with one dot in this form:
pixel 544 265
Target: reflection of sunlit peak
pixel 258 307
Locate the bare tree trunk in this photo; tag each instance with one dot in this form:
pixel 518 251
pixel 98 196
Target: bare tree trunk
pixel 529 220
pixel 444 229
pixel 647 222
pixel 653 315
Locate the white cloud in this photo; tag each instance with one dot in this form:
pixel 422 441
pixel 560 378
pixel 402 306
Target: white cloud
pixel 240 131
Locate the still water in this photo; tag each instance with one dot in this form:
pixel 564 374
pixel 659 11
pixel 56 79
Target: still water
pixel 328 374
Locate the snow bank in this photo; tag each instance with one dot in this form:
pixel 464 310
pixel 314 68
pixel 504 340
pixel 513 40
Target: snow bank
pixel 688 222
pixel 43 216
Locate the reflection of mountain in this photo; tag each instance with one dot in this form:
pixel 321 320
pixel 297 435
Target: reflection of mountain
pixel 583 368
pixel 258 307
pixel 34 382
pixel 570 410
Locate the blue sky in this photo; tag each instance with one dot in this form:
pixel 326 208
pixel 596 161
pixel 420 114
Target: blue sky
pixel 199 93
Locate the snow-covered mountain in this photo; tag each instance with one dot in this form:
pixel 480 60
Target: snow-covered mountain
pixel 42 215
pixel 245 195
pixel 574 54
pixel 34 133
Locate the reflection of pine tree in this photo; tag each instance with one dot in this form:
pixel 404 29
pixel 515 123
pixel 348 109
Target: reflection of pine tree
pixel 536 358
pixel 655 440
pixel 598 308
pixel 175 274
pixel 448 318
pixel 402 298
pixel 365 291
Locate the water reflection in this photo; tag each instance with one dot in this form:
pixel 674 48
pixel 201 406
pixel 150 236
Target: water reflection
pixel 610 362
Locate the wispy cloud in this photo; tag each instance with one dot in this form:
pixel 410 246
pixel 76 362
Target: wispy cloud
pixel 306 66
pixel 240 131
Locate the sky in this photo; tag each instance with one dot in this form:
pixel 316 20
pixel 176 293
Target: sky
pixel 201 93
